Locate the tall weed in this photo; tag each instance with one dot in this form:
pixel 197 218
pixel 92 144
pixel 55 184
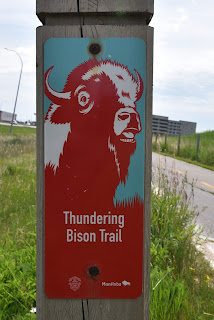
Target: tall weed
pixel 179 286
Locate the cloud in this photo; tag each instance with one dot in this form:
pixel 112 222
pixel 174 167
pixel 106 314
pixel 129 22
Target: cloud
pixel 26 103
pixel 183 58
pixel 21 12
pixel 181 42
pixel 183 61
pixel 18 22
pixel 10 61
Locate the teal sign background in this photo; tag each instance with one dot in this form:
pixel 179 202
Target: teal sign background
pixel 65 54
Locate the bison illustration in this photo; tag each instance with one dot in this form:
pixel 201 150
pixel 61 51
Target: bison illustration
pixel 90 131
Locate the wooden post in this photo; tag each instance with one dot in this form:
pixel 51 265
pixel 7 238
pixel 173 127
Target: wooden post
pixel 156 138
pixel 179 141
pixel 93 19
pixel 197 147
pixel 165 140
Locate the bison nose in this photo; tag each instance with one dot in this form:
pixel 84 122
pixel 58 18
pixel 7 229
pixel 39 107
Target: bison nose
pixel 127 120
pixel 124 116
pixel 134 122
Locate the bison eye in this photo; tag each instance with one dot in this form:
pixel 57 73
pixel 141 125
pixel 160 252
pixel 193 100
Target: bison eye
pixel 83 98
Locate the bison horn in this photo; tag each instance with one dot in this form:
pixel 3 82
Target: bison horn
pixel 139 85
pixel 54 96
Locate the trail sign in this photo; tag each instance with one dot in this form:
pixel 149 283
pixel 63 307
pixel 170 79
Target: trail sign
pixel 94 131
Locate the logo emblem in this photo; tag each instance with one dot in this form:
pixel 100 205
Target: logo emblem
pixel 126 283
pixel 74 283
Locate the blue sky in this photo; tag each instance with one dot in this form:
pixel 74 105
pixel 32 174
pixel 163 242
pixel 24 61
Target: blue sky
pixel 183 59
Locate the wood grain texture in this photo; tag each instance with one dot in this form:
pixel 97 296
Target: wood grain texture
pixel 48 309
pixel 47 7
pixel 137 309
pixel 148 172
pixel 67 19
pixel 115 309
pixel 95 19
pixel 55 6
pixel 116 6
pixel 112 19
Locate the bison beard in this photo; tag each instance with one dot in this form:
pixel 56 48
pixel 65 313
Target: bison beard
pixel 88 181
pixel 124 151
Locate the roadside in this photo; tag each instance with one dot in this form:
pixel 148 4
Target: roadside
pixel 17 125
pixel 199 186
pixel 196 163
pixel 197 149
pixel 207 248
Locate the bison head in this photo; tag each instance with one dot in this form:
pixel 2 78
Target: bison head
pixel 99 104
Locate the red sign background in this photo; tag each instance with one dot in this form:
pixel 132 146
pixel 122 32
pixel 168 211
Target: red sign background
pixel 90 131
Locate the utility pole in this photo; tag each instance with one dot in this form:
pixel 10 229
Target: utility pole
pixel 17 92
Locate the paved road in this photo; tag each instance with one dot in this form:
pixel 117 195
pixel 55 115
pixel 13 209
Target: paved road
pixel 16 125
pixel 203 180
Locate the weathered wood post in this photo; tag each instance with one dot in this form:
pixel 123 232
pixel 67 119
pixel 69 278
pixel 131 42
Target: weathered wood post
pixel 179 141
pixel 156 138
pixel 112 39
pixel 197 147
pixel 165 140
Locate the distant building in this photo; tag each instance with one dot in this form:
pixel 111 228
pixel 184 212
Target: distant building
pixel 159 124
pixel 187 127
pixel 6 116
pixel 162 125
pixel 174 128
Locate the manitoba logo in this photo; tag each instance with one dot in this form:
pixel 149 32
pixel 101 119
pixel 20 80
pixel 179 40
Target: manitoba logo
pixel 116 284
pixel 74 283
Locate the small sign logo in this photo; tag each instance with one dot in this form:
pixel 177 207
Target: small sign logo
pixel 74 283
pixel 116 284
pixel 126 283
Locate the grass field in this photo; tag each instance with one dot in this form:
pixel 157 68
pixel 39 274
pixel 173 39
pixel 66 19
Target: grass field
pixel 17 131
pixel 188 146
pixel 17 223
pixel 181 281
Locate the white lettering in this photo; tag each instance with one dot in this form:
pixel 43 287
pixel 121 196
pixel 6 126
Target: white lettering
pixel 69 235
pixel 111 284
pixel 74 236
pixel 79 219
pixel 66 216
pixel 111 236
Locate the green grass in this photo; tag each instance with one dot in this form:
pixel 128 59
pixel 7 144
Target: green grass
pixel 17 224
pixel 20 131
pixel 181 280
pixel 188 145
pixel 21 141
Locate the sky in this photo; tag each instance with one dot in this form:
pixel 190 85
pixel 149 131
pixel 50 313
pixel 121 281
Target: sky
pixel 183 59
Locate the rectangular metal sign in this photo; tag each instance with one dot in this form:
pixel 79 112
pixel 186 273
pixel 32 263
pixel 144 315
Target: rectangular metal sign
pixel 94 167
